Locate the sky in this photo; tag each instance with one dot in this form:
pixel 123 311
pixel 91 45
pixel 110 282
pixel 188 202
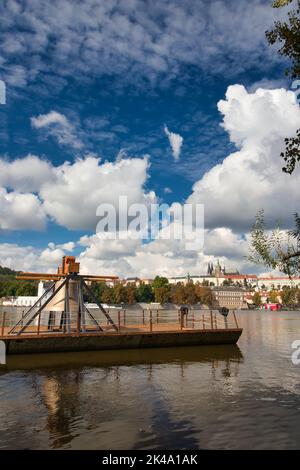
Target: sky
pixel 181 101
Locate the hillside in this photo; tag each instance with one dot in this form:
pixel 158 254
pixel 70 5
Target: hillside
pixel 9 286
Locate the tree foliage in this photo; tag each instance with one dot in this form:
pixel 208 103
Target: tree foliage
pixel 287 34
pixel 159 291
pixel 10 287
pixel 279 249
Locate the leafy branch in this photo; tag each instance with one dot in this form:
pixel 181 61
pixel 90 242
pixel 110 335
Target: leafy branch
pixel 278 250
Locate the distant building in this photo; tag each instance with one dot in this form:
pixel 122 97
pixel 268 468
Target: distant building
pixel 269 283
pixel 229 297
pixel 26 300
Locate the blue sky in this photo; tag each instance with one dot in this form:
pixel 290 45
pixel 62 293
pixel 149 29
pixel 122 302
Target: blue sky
pixel 116 73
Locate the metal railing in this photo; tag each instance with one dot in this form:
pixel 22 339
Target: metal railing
pixel 152 320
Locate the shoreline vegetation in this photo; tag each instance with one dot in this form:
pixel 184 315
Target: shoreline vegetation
pixel 160 292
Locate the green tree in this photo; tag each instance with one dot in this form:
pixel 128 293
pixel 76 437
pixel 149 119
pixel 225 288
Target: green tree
pixel 120 293
pixel 178 293
pixel 144 293
pixel 108 295
pixel 256 299
pixel 279 250
pixel 273 296
pixel 161 289
pixel 162 294
pixel 130 293
pixel 287 34
pixel 98 288
pixel 204 295
pixel 160 282
pixel 190 294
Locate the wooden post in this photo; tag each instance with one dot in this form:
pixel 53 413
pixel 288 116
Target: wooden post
pixel 203 322
pixel 119 321
pixel 124 317
pixel 211 320
pixel 157 316
pixel 236 323
pixel 181 320
pixel 22 318
pixel 39 323
pixel 193 320
pixel 143 317
pixel 150 322
pixel 216 324
pixel 3 323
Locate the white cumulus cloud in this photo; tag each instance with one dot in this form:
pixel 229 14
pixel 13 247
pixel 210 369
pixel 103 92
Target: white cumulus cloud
pixel 251 178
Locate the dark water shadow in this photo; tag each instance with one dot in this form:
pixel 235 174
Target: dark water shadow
pixel 123 357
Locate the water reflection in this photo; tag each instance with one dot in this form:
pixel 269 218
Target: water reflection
pixel 245 396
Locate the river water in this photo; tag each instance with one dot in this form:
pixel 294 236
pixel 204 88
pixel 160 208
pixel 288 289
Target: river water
pixel 223 397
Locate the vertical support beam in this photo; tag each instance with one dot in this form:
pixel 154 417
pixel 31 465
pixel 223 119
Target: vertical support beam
pixel 203 321
pixel 234 316
pixel 39 323
pixel 193 320
pixel 181 320
pixel 157 316
pixel 211 320
pixel 143 317
pixel 67 309
pixel 124 317
pixel 119 321
pixel 79 313
pixel 216 323
pixel 150 321
pixel 3 323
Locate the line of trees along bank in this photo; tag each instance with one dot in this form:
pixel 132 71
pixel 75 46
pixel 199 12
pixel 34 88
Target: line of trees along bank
pixel 159 291
pixel 10 287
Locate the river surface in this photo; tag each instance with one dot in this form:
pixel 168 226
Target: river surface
pixel 223 397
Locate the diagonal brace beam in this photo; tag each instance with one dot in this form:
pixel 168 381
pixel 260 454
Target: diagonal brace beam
pixel 31 308
pixel 108 317
pixel 43 306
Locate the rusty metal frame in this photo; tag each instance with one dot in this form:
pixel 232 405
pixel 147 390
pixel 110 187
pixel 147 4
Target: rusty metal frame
pixel 31 308
pixel 39 311
pixel 91 293
pixel 82 309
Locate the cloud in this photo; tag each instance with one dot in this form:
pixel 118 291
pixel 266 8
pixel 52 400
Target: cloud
pixel 79 188
pixel 25 174
pixel 175 141
pixel 29 258
pixel 34 190
pixel 21 211
pixel 58 126
pixel 232 192
pixel 136 41
pixel 251 178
